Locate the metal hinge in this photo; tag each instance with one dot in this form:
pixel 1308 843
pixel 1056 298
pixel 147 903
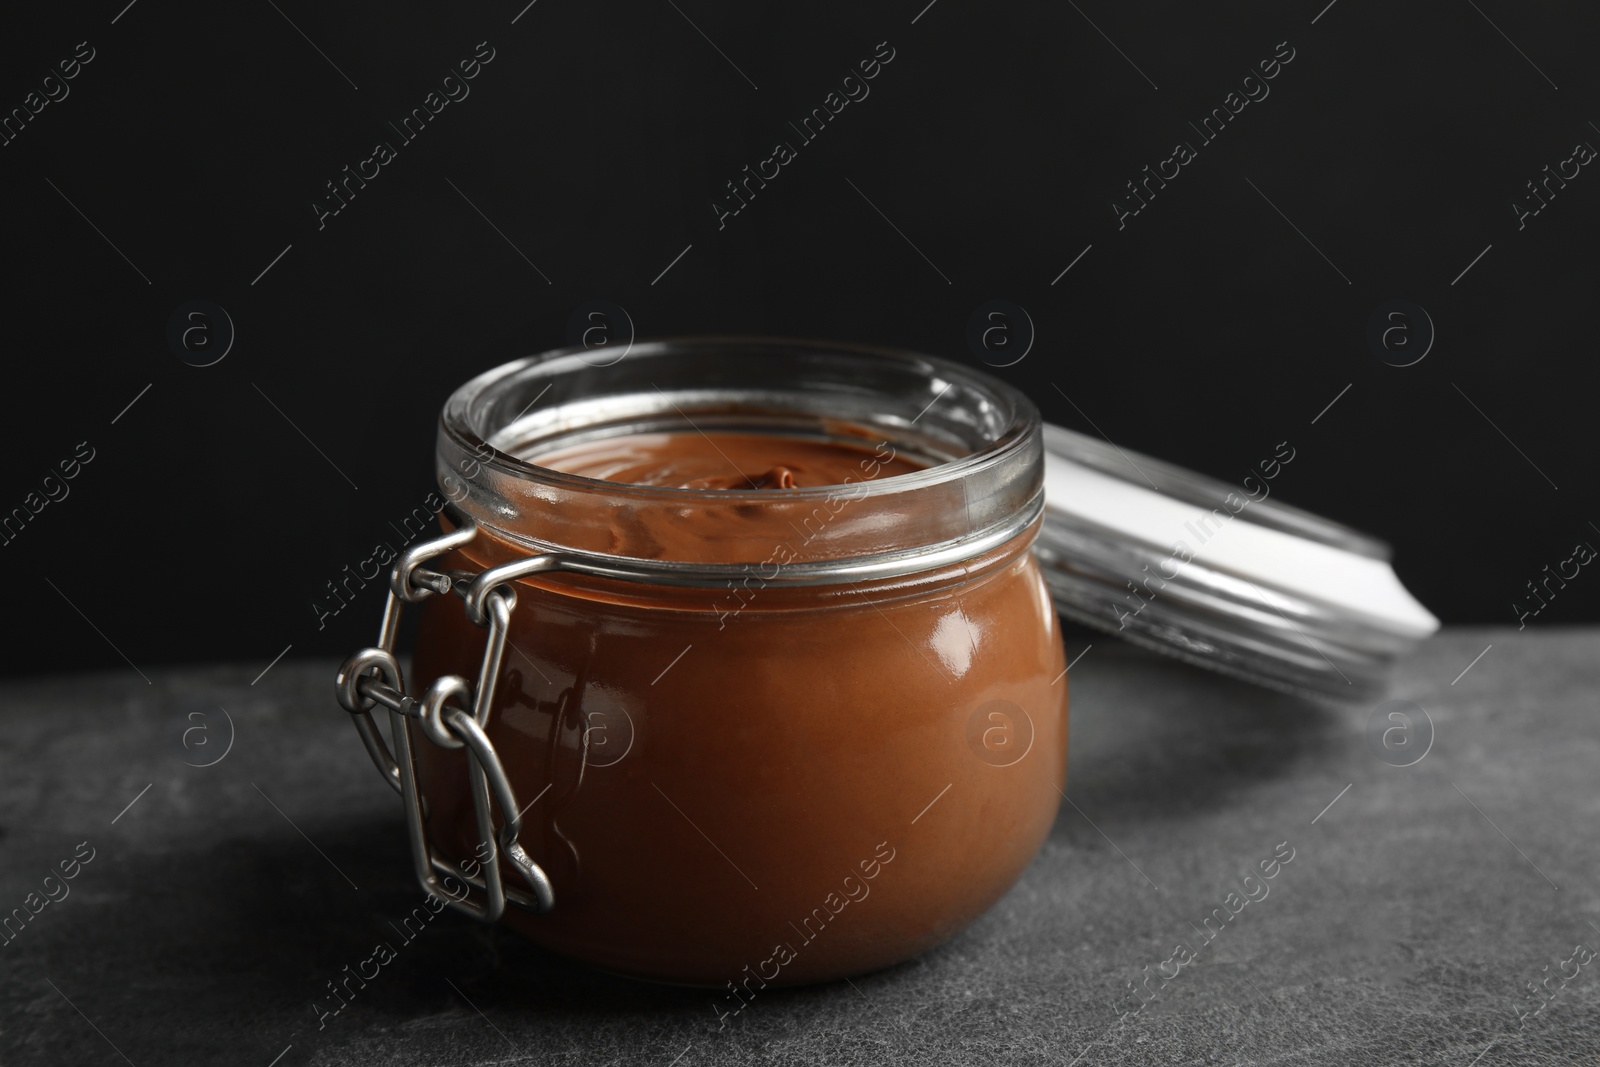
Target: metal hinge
pixel 372 677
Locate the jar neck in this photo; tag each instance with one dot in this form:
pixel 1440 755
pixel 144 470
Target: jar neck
pixel 976 439
pixel 756 588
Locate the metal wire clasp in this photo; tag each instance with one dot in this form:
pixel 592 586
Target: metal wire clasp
pixel 372 677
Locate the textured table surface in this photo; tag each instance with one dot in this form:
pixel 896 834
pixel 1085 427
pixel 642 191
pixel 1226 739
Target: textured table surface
pixel 1420 903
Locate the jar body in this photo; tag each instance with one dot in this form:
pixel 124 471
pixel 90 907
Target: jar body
pixel 764 785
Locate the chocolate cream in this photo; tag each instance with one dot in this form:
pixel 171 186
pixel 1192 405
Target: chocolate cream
pixel 762 784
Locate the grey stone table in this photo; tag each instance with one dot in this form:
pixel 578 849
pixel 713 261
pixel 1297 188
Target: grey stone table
pixel 210 905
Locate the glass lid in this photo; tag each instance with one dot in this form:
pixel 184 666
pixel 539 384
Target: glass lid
pixel 1221 575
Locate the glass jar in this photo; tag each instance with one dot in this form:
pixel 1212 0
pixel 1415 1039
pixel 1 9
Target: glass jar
pixel 755 736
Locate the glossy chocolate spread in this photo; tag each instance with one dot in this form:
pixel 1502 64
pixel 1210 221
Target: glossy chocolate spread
pixel 824 781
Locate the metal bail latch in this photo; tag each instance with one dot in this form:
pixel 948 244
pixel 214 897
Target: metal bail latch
pixel 372 677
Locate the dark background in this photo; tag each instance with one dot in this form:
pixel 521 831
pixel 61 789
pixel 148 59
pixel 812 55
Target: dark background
pixel 1205 331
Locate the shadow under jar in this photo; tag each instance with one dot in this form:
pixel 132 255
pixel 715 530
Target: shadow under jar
pixel 796 711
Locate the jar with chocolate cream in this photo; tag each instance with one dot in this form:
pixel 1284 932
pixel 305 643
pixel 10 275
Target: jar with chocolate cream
pixel 734 665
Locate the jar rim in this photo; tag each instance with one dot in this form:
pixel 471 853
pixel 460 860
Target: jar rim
pixel 466 405
pixel 981 440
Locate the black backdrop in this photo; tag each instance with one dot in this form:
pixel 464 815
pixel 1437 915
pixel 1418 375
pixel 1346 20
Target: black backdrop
pixel 583 162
